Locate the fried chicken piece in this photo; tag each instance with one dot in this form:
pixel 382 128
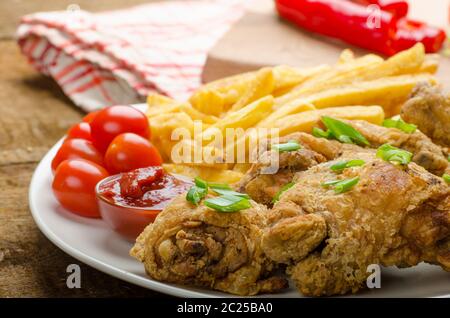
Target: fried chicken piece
pixel 199 246
pixel 429 109
pixel 262 186
pixel 425 153
pixel 394 215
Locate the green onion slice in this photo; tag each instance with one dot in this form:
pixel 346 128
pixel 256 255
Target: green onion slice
pixel 201 183
pixel 230 192
pixel 288 146
pixel 446 177
pixel 448 158
pixel 400 124
pixel 319 133
pixel 341 186
pixel 394 154
pixel 227 203
pixel 341 165
pixel 345 185
pixel 340 131
pixel 196 194
pixel 283 189
pixel 344 132
pixel 215 185
pixel 330 183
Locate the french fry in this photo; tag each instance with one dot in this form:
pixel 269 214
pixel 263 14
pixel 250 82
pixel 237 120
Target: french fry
pixel 223 92
pixel 244 118
pixel 197 115
pixel 430 65
pixel 162 127
pixel 346 56
pixel 227 91
pixel 209 101
pixel 192 153
pixel 286 77
pixel 405 62
pixel 181 107
pixel 208 174
pixel 336 76
pixel 304 122
pixel 162 109
pixel 262 85
pixel 296 108
pixel 158 104
pixel 366 68
pixel 388 92
pixel 158 99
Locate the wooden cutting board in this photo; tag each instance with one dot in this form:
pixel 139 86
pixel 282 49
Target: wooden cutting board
pixel 261 39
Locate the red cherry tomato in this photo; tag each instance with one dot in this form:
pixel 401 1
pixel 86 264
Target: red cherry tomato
pixel 129 151
pixel 115 120
pixel 90 116
pixel 77 148
pixel 81 130
pixel 74 186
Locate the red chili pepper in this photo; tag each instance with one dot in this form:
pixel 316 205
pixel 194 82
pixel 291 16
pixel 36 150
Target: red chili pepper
pixel 341 19
pixel 399 8
pixel 379 31
pixel 410 32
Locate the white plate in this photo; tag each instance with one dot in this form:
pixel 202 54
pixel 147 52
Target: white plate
pixel 93 243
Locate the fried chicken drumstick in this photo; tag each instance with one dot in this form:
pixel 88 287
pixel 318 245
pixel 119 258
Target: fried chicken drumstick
pixel 263 187
pixel 199 246
pixel 425 153
pixel 429 109
pixel 395 215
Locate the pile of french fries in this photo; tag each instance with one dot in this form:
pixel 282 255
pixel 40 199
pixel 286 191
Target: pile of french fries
pixel 290 99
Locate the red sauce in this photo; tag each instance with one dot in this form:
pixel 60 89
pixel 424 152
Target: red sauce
pixel 144 187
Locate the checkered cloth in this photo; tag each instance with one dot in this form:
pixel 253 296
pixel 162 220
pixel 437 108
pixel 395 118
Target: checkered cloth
pixel 119 57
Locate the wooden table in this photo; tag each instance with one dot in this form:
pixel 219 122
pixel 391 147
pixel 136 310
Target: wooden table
pixel 34 114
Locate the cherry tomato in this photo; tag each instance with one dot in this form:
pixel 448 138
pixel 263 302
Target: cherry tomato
pixel 74 186
pixel 115 120
pixel 90 116
pixel 77 148
pixel 129 151
pixel 81 130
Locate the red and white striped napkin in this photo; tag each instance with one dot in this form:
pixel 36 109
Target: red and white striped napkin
pixel 119 57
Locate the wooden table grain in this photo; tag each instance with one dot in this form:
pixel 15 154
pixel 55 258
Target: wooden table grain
pixel 34 114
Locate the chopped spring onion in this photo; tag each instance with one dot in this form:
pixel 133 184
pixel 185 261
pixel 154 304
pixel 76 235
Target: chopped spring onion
pixel 400 124
pixel 341 165
pixel 345 185
pixel 196 194
pixel 320 133
pixel 283 189
pixel 291 145
pixel 223 189
pixel 330 183
pixel 341 186
pixel 394 155
pixel 341 131
pixel 215 185
pixel 230 192
pixel 448 158
pixel 446 177
pixel 228 203
pixel 201 183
